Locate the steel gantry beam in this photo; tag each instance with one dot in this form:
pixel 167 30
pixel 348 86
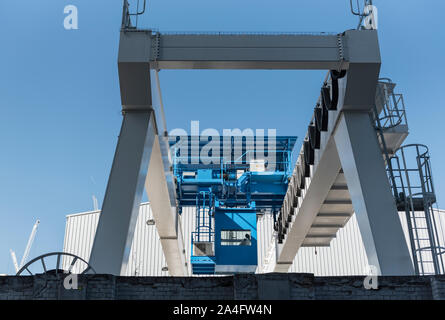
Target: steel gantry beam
pixel 142 153
pixel 238 51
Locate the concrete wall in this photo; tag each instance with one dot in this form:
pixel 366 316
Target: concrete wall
pixel 239 287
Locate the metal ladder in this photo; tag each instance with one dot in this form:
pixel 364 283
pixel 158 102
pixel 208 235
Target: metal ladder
pixel 204 213
pixel 416 197
pixel 412 187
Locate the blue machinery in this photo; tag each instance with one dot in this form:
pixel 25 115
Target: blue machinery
pixel 227 192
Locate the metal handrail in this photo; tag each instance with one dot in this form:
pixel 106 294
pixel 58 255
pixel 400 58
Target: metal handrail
pixel 358 13
pixel 367 2
pixel 408 178
pixel 126 15
pixel 137 11
pixel 393 111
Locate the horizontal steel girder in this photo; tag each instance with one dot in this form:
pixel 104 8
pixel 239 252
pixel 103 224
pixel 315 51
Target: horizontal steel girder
pixel 249 51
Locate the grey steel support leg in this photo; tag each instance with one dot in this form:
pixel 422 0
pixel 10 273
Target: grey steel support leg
pixel 165 215
pixel 114 234
pixel 374 205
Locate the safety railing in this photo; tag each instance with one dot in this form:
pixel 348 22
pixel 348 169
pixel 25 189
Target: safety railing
pixel 203 244
pixel 249 155
pixel 360 12
pixel 127 14
pixel 390 106
pixel 412 182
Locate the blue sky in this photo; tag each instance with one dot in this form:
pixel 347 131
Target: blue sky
pixel 60 103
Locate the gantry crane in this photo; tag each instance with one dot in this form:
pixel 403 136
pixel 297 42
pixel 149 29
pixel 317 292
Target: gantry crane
pixel 340 169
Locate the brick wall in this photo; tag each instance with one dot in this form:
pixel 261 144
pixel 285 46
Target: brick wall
pixel 389 288
pixel 438 287
pixel 238 287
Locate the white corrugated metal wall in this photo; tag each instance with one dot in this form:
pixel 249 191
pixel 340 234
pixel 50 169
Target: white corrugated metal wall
pixel 146 255
pixel 188 226
pixel 264 237
pixel 345 256
pixel 79 236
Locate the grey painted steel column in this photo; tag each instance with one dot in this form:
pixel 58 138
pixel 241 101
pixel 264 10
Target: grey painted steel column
pixel 140 90
pixel 165 215
pixel 371 196
pixel 114 234
pixel 161 189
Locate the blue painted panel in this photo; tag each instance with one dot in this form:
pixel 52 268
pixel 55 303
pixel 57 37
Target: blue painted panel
pixel 236 219
pixel 202 265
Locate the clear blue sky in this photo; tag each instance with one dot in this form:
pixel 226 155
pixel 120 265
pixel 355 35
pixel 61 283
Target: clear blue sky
pixel 60 103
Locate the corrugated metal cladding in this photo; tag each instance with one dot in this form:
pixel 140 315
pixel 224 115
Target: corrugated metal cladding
pixel 146 256
pixel 264 237
pixel 345 256
pixel 79 236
